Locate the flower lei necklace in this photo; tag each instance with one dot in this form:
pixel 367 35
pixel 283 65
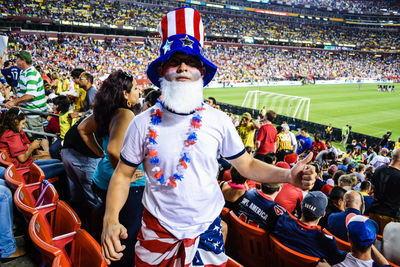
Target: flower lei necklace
pixel 184 160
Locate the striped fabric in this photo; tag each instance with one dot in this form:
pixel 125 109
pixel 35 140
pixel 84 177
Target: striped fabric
pixel 182 21
pixel 31 83
pixel 157 247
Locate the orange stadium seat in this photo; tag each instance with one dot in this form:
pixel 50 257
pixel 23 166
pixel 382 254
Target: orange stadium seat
pixel 5 159
pixel 86 251
pixel 284 256
pixel 30 198
pixel 53 230
pixel 232 263
pixel 33 175
pixel 342 245
pixel 249 243
pixel 60 261
pixel 12 177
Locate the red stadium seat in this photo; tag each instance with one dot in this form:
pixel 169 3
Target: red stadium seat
pixel 249 243
pixel 284 256
pixel 342 245
pixel 30 198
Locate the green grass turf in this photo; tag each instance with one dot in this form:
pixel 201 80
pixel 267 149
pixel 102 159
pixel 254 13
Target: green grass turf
pixel 367 110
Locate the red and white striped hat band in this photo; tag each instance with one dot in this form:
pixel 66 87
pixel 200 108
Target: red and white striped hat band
pixel 182 21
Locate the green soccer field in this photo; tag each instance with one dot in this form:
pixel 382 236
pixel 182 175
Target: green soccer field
pixel 367 110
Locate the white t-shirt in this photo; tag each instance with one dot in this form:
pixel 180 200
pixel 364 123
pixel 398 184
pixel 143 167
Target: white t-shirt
pixel 188 209
pixel 351 261
pixel 379 161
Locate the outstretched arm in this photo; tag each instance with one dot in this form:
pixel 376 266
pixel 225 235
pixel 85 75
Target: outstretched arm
pixel 117 195
pixel 301 175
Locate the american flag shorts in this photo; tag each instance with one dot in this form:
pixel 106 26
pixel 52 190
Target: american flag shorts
pixel 157 247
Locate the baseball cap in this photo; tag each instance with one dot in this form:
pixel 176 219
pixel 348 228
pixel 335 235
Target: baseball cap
pixel 361 229
pixel 283 165
pixel 247 115
pixel 291 158
pixel 315 202
pixel 332 169
pixel 351 165
pixel 24 55
pixel 346 160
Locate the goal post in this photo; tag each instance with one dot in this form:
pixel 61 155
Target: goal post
pixel 288 105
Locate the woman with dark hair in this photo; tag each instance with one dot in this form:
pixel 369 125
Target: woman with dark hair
pixel 150 99
pixel 15 142
pixel 111 117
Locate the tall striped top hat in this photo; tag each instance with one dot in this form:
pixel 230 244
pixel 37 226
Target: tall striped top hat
pixel 181 30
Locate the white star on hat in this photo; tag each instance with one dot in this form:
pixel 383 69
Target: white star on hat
pixel 167 46
pixel 187 42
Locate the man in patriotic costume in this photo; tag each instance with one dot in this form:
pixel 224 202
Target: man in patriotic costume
pixel 178 141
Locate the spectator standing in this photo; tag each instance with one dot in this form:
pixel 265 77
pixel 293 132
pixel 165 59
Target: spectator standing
pixel 74 87
pixel 31 93
pixel 386 205
pixel 266 136
pixel 345 135
pixel 328 132
pixel 11 72
pixel 384 143
pixel 318 145
pixel 247 129
pixel 182 204
pixel 304 143
pixel 86 82
pixel 283 143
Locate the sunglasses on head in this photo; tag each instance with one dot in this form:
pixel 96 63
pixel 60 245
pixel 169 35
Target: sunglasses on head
pixel 127 75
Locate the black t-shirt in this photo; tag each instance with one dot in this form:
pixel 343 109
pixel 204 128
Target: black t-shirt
pixel 387 192
pixel 74 140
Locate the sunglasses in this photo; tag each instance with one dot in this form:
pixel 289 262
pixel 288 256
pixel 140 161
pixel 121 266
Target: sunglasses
pixel 127 75
pixel 190 61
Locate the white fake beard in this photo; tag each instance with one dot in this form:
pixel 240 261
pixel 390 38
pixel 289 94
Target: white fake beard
pixel 182 97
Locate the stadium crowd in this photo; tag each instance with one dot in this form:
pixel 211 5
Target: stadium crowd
pixel 250 63
pixel 353 6
pixel 132 14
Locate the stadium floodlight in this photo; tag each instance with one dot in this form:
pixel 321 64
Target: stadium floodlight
pixel 288 105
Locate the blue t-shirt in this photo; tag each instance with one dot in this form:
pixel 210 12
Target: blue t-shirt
pixel 303 143
pixel 104 170
pixel 259 210
pixel 307 240
pixel 337 223
pixel 12 75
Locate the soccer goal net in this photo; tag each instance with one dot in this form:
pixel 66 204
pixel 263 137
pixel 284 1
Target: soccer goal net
pixel 288 105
